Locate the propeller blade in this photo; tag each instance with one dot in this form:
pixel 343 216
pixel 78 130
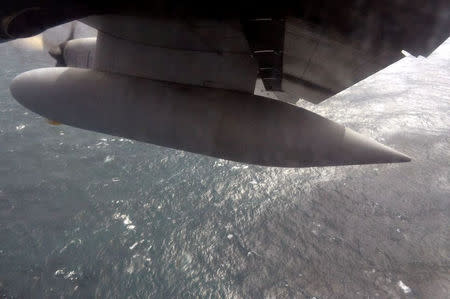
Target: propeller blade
pixel 57 51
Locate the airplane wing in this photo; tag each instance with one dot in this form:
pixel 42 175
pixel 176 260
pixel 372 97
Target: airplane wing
pixel 331 46
pixel 304 49
pixel 183 78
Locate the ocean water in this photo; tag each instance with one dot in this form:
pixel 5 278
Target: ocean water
pixel 88 215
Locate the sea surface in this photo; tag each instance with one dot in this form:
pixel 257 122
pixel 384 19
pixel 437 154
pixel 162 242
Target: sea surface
pixel 88 215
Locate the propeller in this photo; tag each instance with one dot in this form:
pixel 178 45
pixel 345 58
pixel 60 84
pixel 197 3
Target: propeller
pixel 57 51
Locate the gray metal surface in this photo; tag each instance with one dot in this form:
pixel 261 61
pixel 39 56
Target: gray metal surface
pixel 80 52
pixel 317 64
pixel 224 124
pixel 170 50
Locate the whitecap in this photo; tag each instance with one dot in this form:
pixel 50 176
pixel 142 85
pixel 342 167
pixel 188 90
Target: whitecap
pixel 133 246
pixel 126 220
pixel 404 287
pixel 109 159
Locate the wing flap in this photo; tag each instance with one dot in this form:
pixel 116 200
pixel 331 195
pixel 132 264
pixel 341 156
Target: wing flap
pixel 317 64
